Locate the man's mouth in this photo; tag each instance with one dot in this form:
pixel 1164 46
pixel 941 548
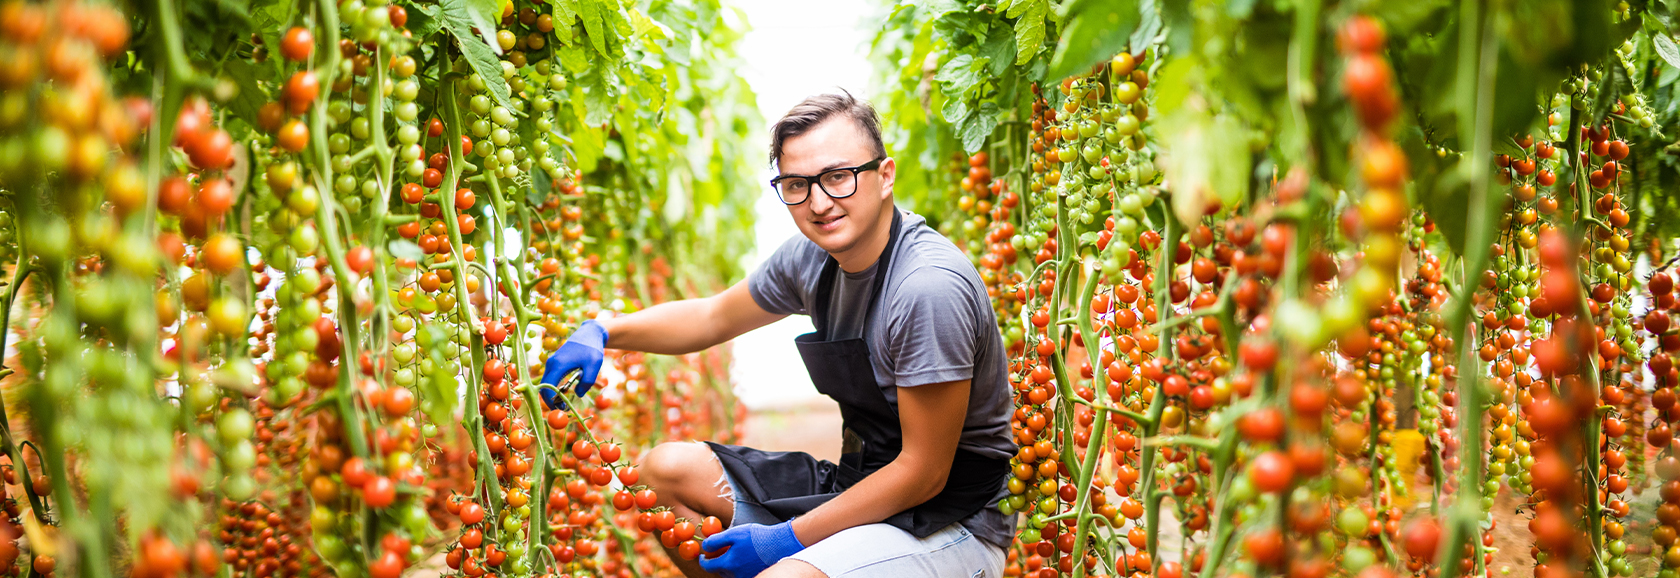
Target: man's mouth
pixel 828 224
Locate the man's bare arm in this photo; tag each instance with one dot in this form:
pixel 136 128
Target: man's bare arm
pixel 690 325
pixel 931 417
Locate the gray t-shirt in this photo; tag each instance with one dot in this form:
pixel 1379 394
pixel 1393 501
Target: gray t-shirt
pixel 934 324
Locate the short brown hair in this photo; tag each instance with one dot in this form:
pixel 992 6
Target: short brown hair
pixel 815 109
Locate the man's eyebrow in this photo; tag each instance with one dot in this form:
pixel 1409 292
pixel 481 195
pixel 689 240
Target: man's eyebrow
pixel 826 168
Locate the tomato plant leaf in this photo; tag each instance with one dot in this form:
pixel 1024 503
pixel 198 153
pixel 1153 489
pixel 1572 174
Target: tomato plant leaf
pixel 249 78
pixel 1666 48
pixel 405 249
pixel 1668 76
pixel 954 111
pixel 566 13
pixel 998 49
pixel 961 73
pixel 573 58
pixel 978 126
pixel 459 19
pixel 1029 28
pixel 646 28
pixel 599 96
pixel 423 20
pixel 595 23
pixel 961 28
pixel 1149 24
pixel 1095 31
pixel 1173 84
pixel 1206 158
pixel 484 14
pixel 1179 24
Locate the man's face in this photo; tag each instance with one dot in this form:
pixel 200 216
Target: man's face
pixel 837 225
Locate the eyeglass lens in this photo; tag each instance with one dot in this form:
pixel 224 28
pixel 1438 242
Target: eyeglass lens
pixel 837 183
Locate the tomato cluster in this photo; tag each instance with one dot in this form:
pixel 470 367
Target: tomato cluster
pixel 286 282
pixel 1314 381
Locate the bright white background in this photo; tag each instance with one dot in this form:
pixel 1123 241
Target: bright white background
pixel 793 49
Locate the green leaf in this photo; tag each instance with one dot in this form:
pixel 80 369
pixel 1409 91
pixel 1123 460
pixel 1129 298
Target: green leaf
pixel 1180 25
pixel 1172 84
pixel 955 110
pixel 1666 48
pixel 594 14
pixel 574 59
pixel 423 20
pixel 1149 25
pixel 978 126
pixel 600 97
pixel 1029 28
pixel 404 249
pixel 937 8
pixel 566 13
pixel 999 49
pixel 1088 238
pixel 484 14
pixel 250 79
pixel 1096 30
pixel 1206 159
pixel 961 73
pixel 458 20
pixel 641 25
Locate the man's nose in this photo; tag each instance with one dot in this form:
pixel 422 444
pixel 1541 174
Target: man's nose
pixel 820 201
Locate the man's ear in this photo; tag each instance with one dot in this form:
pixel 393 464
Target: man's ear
pixel 889 171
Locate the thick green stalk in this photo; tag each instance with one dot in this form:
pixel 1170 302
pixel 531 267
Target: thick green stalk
pixel 471 418
pixel 513 267
pixel 1158 405
pixel 1099 428
pixel 1478 66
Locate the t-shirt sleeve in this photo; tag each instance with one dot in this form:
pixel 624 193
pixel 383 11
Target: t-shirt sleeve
pixel 931 328
pixel 777 285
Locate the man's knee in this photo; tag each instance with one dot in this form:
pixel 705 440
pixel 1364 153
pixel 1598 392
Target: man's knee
pixel 791 568
pixel 673 463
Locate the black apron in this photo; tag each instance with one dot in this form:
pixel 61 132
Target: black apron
pixel 788 484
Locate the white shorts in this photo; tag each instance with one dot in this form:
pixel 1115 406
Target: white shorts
pixel 883 550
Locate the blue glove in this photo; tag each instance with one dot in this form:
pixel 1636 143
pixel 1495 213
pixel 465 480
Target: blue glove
pixel 582 352
pixel 752 548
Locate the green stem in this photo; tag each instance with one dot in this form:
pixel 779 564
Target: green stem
pixel 21 469
pixel 1478 65
pixel 1158 405
pixel 471 419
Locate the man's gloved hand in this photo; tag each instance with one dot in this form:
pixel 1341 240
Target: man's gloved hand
pixel 752 548
pixel 583 352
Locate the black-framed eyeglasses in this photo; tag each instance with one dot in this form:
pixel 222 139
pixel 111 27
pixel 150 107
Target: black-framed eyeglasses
pixel 836 183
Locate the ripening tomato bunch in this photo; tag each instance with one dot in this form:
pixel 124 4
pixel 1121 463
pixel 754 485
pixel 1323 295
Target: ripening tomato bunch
pixel 1279 388
pixel 257 272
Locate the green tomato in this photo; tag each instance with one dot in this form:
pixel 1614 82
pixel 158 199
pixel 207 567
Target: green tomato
pixel 234 426
pixel 240 457
pixel 1356 558
pixel 304 240
pixel 1352 521
pixel 239 487
pixel 200 397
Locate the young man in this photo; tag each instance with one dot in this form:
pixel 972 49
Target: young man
pixel 906 342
